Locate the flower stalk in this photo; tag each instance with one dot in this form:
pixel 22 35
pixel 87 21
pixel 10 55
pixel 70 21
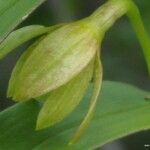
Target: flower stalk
pixel 106 15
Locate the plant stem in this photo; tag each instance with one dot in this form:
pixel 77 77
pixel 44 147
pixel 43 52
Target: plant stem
pixel 106 15
pixel 137 23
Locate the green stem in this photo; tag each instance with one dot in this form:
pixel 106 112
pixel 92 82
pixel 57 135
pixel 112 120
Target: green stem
pixel 106 15
pixel 135 18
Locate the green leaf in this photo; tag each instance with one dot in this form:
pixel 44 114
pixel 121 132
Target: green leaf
pixel 114 118
pixel 22 35
pixel 62 101
pixel 12 12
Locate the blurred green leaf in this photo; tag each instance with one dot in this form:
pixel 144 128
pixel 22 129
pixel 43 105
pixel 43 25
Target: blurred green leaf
pixel 20 36
pixel 12 12
pixel 121 110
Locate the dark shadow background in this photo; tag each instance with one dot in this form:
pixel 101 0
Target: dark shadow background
pixel 122 55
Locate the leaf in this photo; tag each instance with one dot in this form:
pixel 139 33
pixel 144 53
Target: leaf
pixel 20 36
pixel 12 12
pixel 98 73
pixel 114 118
pixel 62 101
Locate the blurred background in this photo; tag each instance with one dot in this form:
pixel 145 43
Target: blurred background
pixel 122 55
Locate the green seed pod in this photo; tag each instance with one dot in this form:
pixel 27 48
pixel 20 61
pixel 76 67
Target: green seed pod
pixel 53 61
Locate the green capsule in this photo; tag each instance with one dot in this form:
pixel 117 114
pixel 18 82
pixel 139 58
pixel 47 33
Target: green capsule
pixel 53 61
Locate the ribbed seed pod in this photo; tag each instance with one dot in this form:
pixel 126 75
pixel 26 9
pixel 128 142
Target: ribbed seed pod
pixel 53 61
